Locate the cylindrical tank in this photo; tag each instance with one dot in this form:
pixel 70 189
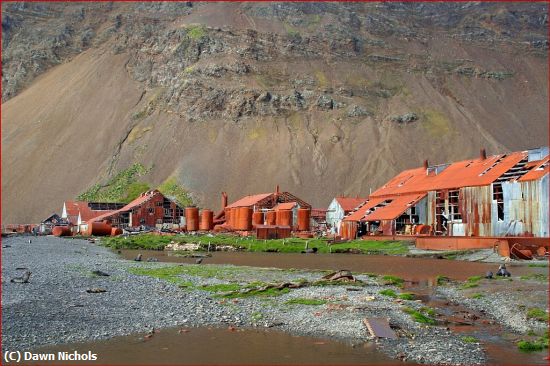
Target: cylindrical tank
pixel 207 220
pixel 284 217
pixel 116 231
pixel 258 218
pixel 270 218
pixel 102 228
pixel 61 231
pixel 244 218
pixel 234 217
pixel 303 219
pixel 192 218
pixel 227 216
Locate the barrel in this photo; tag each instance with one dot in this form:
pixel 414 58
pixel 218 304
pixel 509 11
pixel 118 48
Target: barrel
pixel 116 231
pixel 207 220
pixel 303 219
pixel 192 218
pixel 258 218
pixel 284 217
pixel 270 218
pixel 244 218
pixel 102 228
pixel 61 231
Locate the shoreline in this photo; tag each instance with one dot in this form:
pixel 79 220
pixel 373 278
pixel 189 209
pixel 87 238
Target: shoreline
pixel 56 298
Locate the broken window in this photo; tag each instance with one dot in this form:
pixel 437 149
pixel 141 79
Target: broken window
pixel 158 204
pixel 151 210
pixel 499 198
pixel 454 214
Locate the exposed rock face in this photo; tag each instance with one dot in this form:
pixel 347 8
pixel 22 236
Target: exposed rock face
pixel 301 94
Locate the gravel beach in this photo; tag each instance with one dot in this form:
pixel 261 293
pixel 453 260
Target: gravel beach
pixel 55 307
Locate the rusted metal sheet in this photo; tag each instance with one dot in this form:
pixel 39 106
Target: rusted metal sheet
pixel 207 220
pixel 244 218
pixel 258 218
pixel 284 217
pixel 304 215
pixel 192 218
pixel 270 218
pixel 380 328
pixel 102 228
pixel 348 229
pixel 475 207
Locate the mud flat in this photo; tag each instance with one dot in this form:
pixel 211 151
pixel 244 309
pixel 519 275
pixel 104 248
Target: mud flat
pixel 64 302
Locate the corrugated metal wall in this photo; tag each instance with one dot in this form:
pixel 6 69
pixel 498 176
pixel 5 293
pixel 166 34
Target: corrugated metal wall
pixel 525 208
pixel 475 207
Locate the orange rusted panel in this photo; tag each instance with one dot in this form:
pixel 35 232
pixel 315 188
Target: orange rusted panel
pixel 270 218
pixel 304 215
pixel 258 218
pixel 503 248
pixel 207 220
pixel 284 218
pixel 192 218
pixel 61 231
pixel 244 218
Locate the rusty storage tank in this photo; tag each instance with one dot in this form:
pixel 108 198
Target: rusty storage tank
pixel 102 228
pixel 227 216
pixel 61 231
pixel 116 231
pixel 244 218
pixel 270 218
pixel 303 219
pixel 192 218
pixel 258 218
pixel 284 218
pixel 207 220
pixel 234 217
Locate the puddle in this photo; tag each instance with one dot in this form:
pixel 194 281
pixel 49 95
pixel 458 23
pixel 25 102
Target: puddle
pixel 224 347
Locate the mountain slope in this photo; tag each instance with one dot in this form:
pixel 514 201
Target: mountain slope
pixel 240 97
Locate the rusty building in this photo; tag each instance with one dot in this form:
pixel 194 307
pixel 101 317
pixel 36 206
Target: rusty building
pixel 500 195
pixel 267 211
pixel 151 209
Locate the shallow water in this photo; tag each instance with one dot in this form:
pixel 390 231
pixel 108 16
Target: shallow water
pixel 225 347
pixel 412 269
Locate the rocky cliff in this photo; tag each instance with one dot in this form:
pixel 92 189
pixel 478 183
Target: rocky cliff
pixel 321 98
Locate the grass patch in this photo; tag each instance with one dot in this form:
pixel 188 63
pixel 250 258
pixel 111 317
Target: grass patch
pixel 289 245
pixel 428 311
pixel 470 339
pixel 535 276
pixel 169 274
pixel 123 187
pixel 393 280
pixel 537 265
pixel 270 292
pixel 442 280
pixel 419 317
pixel 304 301
pixel 471 282
pixel 477 296
pixel 388 292
pixel 537 314
pixel 221 287
pixel 171 189
pixel 538 344
pixel 406 296
pixel 196 31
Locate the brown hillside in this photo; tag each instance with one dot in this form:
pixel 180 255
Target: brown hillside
pixel 268 96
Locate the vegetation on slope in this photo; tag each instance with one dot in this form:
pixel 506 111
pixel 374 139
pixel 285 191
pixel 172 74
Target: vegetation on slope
pixel 123 187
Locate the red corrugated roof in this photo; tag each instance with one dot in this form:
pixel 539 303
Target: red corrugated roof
pixel 467 173
pixel 540 168
pixel 395 208
pixel 285 206
pixel 360 213
pixel 75 207
pixel 349 203
pixel 249 200
pixel 144 197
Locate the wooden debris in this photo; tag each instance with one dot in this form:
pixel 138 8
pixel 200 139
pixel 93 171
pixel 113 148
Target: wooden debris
pixel 380 328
